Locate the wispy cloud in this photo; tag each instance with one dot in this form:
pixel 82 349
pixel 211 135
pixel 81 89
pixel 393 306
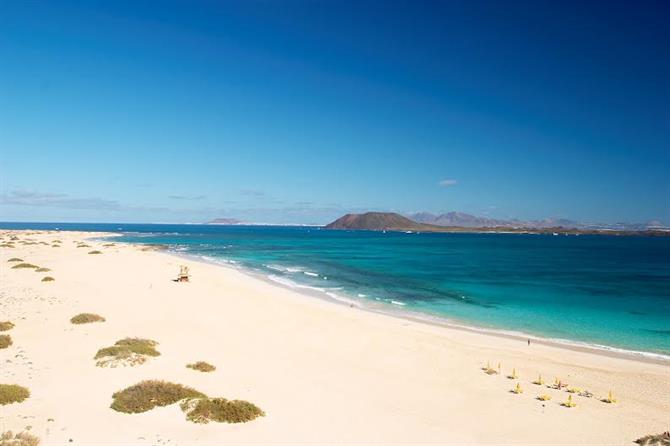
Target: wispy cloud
pixel 447 182
pixel 187 197
pixel 33 198
pixel 253 193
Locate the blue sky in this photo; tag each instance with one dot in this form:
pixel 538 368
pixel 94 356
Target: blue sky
pixel 300 111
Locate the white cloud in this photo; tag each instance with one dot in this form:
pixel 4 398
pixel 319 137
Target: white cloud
pixel 447 182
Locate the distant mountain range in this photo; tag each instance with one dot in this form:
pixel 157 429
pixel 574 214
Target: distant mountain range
pixel 459 222
pixel 225 221
pixel 464 220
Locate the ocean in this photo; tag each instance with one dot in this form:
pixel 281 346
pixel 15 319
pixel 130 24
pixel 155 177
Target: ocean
pixel 604 291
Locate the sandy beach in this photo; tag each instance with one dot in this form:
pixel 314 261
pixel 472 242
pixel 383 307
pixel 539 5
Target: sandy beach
pixel 321 372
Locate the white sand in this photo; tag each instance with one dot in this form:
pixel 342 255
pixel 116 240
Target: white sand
pixel 322 372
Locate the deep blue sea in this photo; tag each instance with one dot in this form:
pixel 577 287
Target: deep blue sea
pixel 602 290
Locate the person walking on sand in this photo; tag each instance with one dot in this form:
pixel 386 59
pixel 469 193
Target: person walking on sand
pixel 528 342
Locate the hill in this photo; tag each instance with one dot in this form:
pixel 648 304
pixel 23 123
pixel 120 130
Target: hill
pixel 378 221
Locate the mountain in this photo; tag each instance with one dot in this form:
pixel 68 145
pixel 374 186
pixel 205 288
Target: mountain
pixel 460 219
pixel 377 221
pixel 459 222
pixel 225 221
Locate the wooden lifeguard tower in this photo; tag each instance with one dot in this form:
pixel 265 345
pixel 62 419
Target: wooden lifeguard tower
pixel 183 274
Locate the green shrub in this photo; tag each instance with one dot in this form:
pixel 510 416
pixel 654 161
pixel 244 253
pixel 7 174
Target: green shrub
pixel 204 410
pixel 129 351
pixel 11 393
pixel 95 252
pixel 48 279
pixel 15 259
pixel 84 245
pixel 21 439
pixel 146 395
pixel 6 325
pixel 201 366
pixel 86 318
pixel 24 265
pixel 42 270
pixel 5 341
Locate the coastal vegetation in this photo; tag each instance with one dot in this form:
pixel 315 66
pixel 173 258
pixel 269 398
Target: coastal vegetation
pixel 654 440
pixel 201 366
pixel 86 318
pixel 204 410
pixel 6 325
pixel 146 395
pixel 199 408
pixel 48 279
pixel 12 393
pixel 14 259
pixel 5 341
pixel 24 266
pixel 95 252
pixel 8 438
pixel 128 351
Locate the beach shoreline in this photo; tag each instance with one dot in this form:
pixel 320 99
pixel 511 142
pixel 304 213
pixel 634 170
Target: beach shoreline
pixel 323 373
pixel 415 316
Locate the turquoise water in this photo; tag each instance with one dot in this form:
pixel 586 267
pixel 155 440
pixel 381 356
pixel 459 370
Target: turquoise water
pixel 608 291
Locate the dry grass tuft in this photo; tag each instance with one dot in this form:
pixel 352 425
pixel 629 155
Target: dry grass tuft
pixel 107 245
pixel 24 265
pixel 15 259
pixel 11 393
pixel 5 341
pixel 655 440
pixel 146 395
pixel 204 410
pixel 21 439
pixel 6 325
pixel 48 279
pixel 86 318
pixel 6 245
pixel 95 252
pixel 83 245
pixel 42 270
pixel 201 366
pixel 128 351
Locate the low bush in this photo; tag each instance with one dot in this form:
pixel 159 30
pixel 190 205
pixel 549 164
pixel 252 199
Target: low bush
pixel 48 279
pixel 128 351
pixel 86 318
pixel 42 270
pixel 15 259
pixel 6 325
pixel 24 265
pixel 201 366
pixel 95 252
pixel 5 341
pixel 204 410
pixel 21 439
pixel 146 395
pixel 655 440
pixel 11 393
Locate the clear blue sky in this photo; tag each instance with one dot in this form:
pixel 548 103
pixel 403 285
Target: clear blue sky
pixel 300 111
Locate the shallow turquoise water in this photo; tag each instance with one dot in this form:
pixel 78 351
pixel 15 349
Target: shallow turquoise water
pixel 610 291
